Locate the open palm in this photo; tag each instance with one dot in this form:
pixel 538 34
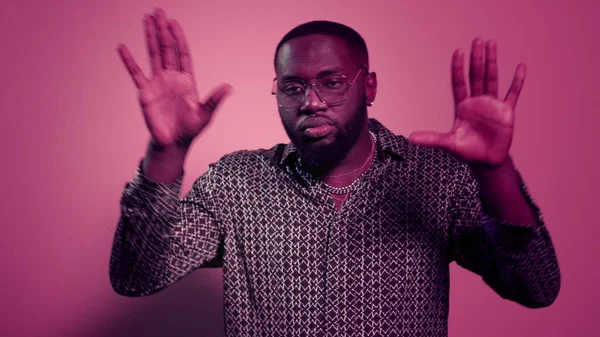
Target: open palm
pixel 483 126
pixel 169 100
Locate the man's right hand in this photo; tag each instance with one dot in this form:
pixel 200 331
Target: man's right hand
pixel 169 99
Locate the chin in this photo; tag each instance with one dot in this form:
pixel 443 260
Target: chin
pixel 320 152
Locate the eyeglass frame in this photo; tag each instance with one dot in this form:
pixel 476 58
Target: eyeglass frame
pixel 312 84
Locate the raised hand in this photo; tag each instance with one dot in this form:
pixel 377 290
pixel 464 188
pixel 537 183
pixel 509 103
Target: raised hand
pixel 483 125
pixel 169 99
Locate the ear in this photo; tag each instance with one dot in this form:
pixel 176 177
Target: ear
pixel 371 87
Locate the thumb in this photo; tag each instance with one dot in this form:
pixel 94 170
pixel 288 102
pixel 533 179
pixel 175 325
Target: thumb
pixel 431 139
pixel 216 97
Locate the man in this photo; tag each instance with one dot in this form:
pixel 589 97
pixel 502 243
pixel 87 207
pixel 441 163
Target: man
pixel 348 229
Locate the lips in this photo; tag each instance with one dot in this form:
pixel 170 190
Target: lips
pixel 315 122
pixel 316 127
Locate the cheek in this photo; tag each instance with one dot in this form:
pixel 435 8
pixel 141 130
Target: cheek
pixel 351 109
pixel 360 96
pixel 287 119
pixel 356 99
pixel 351 115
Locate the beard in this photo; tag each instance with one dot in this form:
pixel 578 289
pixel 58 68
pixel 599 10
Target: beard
pixel 321 157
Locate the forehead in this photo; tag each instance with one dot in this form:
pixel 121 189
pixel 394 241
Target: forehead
pixel 306 56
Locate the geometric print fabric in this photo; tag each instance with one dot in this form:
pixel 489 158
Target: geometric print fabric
pixel 295 266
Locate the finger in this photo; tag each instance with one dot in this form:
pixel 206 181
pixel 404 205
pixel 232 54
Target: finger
pixel 432 139
pixel 476 68
pixel 491 70
pixel 152 43
pixel 182 48
pixel 515 87
pixel 164 40
pixel 459 86
pixel 134 70
pixel 216 97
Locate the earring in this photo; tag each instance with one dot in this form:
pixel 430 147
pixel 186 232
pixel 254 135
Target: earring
pixel 370 103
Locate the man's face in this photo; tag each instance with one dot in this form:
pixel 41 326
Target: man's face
pixel 319 131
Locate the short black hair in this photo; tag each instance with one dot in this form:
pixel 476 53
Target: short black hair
pixel 349 35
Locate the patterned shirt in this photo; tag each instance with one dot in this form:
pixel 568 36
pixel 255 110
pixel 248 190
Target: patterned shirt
pixel 295 266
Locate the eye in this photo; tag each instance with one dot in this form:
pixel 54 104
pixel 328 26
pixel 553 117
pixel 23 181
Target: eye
pixel 333 83
pixel 293 89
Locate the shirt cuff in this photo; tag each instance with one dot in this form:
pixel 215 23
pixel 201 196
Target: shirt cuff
pixel 144 188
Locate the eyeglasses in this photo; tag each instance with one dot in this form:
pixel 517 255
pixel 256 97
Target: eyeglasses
pixel 331 90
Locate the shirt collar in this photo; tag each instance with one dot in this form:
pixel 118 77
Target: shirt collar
pixel 387 141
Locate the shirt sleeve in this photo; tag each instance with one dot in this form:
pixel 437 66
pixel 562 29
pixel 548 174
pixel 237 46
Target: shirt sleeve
pixel 518 261
pixel 161 238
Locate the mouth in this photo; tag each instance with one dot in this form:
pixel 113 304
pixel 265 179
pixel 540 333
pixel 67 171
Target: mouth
pixel 316 128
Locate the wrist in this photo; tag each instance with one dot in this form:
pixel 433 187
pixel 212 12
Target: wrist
pixel 164 164
pixel 493 174
pixel 172 149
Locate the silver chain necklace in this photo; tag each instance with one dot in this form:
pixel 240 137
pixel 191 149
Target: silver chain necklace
pixel 353 184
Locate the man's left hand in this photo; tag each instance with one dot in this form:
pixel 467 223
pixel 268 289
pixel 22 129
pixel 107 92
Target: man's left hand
pixel 483 125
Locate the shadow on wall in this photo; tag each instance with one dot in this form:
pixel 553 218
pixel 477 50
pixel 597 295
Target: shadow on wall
pixel 193 307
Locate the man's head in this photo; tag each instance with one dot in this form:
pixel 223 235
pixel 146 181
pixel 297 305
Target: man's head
pixel 333 58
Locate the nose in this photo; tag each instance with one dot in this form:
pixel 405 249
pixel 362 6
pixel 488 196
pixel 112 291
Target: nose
pixel 312 102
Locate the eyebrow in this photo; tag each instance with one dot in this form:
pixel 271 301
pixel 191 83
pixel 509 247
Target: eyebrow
pixel 323 73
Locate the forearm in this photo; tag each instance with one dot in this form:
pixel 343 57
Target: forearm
pixel 512 248
pixel 141 245
pixel 135 263
pixel 160 238
pixel 501 193
pixel 525 269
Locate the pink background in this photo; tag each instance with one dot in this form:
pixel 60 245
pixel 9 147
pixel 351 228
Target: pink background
pixel 72 135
